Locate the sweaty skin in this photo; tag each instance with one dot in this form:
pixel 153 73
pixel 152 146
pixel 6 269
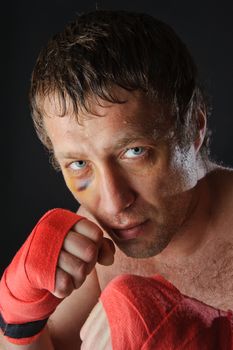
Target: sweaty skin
pixel 157 201
pixel 140 188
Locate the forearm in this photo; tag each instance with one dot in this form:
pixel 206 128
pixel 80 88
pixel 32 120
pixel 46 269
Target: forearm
pixel 43 278
pixel 43 342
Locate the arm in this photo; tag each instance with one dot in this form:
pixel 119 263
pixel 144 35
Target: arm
pixel 34 295
pixel 73 312
pixel 136 312
pixel 94 330
pixel 43 342
pixel 62 331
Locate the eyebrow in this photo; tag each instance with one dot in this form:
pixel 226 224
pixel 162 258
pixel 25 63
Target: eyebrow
pixel 68 155
pixel 121 143
pixel 135 135
pixel 127 140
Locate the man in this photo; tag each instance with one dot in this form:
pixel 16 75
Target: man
pixel 115 99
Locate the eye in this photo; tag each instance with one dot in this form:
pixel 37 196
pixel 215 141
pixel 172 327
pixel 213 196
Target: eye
pixel 78 165
pixel 135 152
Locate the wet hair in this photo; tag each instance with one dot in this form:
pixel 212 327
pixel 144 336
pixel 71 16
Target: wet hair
pixel 102 49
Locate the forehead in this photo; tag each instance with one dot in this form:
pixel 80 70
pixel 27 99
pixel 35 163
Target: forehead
pixel 133 105
pixel 136 115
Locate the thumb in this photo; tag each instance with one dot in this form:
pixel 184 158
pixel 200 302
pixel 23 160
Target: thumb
pixel 106 252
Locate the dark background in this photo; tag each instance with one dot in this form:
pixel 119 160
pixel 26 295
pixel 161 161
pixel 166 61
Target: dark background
pixel 29 184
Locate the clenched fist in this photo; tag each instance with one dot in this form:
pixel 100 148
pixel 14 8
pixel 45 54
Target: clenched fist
pixel 60 252
pixel 83 246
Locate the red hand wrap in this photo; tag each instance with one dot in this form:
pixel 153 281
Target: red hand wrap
pixel 150 313
pixel 27 282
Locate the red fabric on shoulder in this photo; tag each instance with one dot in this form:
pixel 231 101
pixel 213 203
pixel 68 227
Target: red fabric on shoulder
pixel 27 282
pixel 150 313
pixel 134 306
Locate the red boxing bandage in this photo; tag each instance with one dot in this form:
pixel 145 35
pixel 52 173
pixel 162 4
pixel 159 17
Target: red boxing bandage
pixel 26 301
pixel 149 313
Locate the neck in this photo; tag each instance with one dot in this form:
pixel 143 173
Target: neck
pixel 195 230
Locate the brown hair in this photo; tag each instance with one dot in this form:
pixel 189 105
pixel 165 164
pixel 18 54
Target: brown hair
pixel 103 49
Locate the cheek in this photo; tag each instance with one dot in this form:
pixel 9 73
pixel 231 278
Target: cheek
pixel 165 183
pixel 70 183
pixel 82 190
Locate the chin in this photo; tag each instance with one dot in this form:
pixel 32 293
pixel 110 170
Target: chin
pixel 142 250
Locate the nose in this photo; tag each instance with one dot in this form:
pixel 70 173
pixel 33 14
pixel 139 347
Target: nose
pixel 116 192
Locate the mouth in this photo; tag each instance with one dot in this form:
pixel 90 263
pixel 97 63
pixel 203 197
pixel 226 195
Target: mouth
pixel 129 232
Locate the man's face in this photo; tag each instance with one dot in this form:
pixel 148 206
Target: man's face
pixel 138 185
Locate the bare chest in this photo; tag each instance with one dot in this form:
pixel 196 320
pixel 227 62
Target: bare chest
pixel 207 276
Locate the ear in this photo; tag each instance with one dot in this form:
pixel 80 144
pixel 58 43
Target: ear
pixel 201 129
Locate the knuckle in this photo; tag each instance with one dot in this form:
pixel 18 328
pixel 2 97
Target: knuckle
pixel 89 267
pixel 90 229
pixel 80 274
pixel 96 234
pixel 63 285
pixel 68 240
pixel 62 258
pixel 75 267
pixel 91 252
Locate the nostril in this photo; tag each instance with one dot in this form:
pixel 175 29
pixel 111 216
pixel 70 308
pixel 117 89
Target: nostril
pixel 130 202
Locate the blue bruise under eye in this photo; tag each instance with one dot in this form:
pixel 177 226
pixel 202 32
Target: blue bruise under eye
pixel 84 185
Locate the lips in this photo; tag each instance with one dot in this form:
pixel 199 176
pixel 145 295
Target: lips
pixel 130 232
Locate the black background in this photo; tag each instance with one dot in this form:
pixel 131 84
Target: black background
pixel 29 184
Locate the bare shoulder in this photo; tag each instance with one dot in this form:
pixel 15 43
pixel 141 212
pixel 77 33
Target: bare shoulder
pixel 222 177
pixel 70 315
pixel 220 181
